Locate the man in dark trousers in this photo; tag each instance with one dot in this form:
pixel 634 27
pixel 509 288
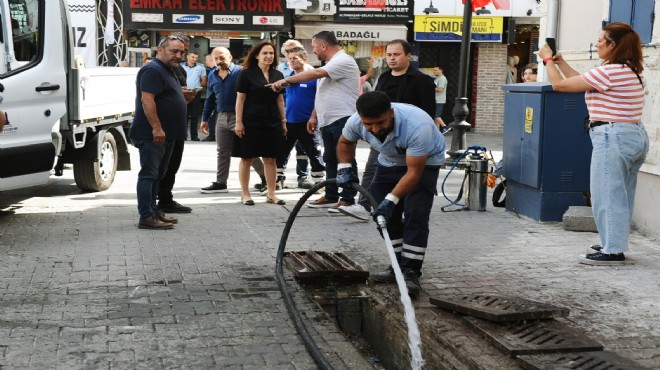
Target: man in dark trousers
pixel 160 116
pixel 412 149
pixel 221 105
pixel 403 83
pixel 166 202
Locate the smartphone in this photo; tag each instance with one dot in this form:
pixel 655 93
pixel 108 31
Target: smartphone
pixel 198 89
pixel 552 44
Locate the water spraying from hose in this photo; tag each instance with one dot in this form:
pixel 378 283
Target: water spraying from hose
pixel 414 339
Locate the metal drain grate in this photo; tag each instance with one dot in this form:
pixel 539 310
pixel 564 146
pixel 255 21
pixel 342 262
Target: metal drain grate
pixel 314 265
pixel 534 337
pixel 602 360
pixel 498 307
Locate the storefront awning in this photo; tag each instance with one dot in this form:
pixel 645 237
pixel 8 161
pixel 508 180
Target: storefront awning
pixel 353 32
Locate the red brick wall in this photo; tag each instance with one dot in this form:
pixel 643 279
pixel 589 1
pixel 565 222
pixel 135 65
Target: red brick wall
pixel 491 75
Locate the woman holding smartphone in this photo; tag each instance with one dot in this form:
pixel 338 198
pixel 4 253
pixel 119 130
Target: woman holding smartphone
pixel 614 93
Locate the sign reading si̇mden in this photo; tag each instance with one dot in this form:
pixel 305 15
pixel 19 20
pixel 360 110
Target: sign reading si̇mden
pixel 450 29
pixel 244 15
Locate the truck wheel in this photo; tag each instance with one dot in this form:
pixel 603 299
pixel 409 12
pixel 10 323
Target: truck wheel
pixel 97 175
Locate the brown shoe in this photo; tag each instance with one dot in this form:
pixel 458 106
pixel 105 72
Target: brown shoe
pixel 152 222
pixel 322 202
pixel 161 216
pixel 335 207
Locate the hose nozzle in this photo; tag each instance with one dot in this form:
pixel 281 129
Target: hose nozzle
pixel 382 224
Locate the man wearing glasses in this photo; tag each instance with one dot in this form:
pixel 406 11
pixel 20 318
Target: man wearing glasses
pixel 160 116
pixel 302 164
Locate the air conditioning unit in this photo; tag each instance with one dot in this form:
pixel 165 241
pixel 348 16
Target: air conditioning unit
pixel 317 8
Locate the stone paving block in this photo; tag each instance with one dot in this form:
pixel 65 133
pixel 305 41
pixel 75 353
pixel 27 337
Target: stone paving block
pixel 579 218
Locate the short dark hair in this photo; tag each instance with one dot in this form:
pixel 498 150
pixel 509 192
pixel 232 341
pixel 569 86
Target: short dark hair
pixel 373 104
pixel 407 49
pixel 193 52
pixel 328 37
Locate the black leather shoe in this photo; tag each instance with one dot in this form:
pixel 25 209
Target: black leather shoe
pixel 173 207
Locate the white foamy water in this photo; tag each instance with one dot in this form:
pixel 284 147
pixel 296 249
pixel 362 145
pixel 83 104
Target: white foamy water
pixel 414 340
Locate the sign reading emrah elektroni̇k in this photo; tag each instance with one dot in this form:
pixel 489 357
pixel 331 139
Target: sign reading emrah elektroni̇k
pixel 249 15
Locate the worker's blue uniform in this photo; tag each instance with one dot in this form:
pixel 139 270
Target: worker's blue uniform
pixel 414 134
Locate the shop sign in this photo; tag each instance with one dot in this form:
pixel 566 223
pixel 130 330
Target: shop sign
pixel 350 32
pixel 450 29
pixel 228 19
pixel 374 11
pixel 262 15
pixel 188 18
pixel 497 8
pixel 215 42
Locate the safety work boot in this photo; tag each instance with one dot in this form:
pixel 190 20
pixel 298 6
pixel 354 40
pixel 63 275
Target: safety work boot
pixel 412 283
pixel 383 277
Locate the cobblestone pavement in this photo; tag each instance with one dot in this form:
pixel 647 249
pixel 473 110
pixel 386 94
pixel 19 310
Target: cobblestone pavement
pixel 82 287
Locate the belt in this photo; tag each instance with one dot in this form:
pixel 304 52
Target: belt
pixel 593 124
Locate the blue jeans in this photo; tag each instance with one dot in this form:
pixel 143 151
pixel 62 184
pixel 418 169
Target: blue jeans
pixel 154 160
pixel 330 135
pixel 619 150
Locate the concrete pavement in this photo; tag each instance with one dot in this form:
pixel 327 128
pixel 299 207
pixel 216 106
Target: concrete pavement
pixel 82 287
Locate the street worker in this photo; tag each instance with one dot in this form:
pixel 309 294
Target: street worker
pixel 412 150
pixel 160 120
pixel 403 83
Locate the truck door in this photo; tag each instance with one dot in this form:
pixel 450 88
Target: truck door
pixel 33 74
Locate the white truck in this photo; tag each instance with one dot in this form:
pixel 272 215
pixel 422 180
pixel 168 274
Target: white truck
pixel 58 110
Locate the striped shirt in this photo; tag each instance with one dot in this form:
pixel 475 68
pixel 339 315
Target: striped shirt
pixel 619 96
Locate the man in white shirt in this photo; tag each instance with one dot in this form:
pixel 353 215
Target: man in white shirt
pixel 338 90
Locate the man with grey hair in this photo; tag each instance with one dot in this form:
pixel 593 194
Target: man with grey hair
pixel 166 202
pixel 302 164
pixel 222 99
pixel 299 103
pixel 160 112
pixel 338 89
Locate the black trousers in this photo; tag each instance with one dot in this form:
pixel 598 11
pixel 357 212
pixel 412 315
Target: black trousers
pixel 193 115
pixel 167 183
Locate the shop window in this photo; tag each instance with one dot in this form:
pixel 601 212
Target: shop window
pixel 637 13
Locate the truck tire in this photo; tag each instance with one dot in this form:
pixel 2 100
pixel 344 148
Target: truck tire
pixel 97 175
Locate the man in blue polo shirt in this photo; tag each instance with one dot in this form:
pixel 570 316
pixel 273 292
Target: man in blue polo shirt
pixel 299 103
pixel 411 152
pixel 160 116
pixel 195 80
pixel 222 99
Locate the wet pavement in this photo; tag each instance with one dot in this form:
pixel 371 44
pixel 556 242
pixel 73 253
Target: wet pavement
pixel 82 287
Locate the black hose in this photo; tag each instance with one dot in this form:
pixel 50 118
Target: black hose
pixel 298 322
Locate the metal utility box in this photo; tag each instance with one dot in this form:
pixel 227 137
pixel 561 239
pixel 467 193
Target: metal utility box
pixel 547 154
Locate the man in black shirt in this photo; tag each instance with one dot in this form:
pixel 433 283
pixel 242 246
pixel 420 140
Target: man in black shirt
pixel 403 83
pixel 166 202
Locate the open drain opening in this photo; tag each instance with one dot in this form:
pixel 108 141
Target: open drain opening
pixel 363 322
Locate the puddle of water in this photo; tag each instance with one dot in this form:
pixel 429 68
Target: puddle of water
pixel 414 340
